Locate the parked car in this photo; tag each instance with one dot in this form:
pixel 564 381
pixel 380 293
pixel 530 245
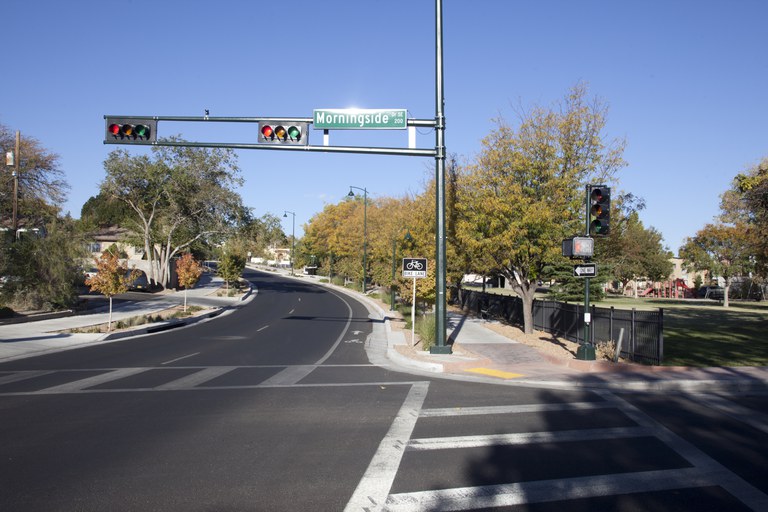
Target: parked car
pixel 140 283
pixel 711 292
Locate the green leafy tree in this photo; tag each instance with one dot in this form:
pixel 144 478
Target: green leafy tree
pixel 178 197
pixel 102 211
pixel 111 278
pixel 721 250
pixel 524 195
pixel 747 200
pixel 633 251
pixel 43 269
pixel 231 266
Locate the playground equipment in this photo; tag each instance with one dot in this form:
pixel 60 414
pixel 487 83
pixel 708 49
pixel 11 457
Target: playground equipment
pixel 676 289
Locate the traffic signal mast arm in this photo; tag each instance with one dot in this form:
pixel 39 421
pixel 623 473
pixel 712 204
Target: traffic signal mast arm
pixel 265 144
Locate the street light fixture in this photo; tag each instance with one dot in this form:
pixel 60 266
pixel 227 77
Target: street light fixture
pixel 293 235
pixel 365 229
pixel 406 238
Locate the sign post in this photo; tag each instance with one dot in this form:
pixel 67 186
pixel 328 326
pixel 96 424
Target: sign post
pixel 417 269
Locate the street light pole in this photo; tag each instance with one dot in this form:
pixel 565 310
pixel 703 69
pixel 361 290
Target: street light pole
pixel 293 235
pixel 365 230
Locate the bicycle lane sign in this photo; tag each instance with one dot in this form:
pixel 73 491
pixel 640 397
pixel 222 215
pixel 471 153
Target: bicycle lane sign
pixel 415 267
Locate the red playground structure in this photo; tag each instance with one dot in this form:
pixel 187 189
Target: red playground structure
pixel 676 289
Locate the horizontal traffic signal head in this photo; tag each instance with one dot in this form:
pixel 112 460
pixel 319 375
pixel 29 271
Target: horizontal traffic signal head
pixel 599 210
pixel 124 130
pixel 283 132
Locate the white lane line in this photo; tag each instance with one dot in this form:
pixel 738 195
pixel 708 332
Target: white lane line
pixel 542 491
pixel 343 331
pixel 514 409
pixel 753 418
pixel 372 490
pixel 449 443
pixel 180 358
pixel 197 378
pixel 291 375
pixel 731 482
pixel 262 328
pixel 15 377
pixel 88 382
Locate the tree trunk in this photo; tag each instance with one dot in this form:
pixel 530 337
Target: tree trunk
pixel 109 322
pixel 527 296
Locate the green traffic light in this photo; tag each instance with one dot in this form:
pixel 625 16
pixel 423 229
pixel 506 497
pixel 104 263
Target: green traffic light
pixel 294 133
pixel 142 130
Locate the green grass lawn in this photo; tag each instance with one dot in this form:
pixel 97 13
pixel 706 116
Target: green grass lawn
pixel 704 333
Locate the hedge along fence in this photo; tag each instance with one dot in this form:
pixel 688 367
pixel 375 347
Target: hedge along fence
pixel 642 339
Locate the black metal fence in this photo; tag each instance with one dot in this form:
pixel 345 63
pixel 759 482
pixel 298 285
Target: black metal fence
pixel 642 338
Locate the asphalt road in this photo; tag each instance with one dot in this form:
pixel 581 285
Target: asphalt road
pixel 277 407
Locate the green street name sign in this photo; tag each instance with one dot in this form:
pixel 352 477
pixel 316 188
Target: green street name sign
pixel 360 119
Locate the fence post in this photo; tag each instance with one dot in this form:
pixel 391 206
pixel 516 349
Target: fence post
pixel 661 335
pixel 632 340
pixel 610 324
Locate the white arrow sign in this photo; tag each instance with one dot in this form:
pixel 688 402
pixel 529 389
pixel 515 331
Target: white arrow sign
pixel 585 270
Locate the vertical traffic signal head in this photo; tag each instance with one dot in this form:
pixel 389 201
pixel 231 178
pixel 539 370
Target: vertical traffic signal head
pixel 130 130
pixel 599 210
pixel 283 132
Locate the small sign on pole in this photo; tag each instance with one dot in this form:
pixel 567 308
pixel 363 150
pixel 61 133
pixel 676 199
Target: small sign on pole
pixel 415 267
pixel 585 270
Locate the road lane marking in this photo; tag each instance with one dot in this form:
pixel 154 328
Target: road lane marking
pixel 563 436
pixel 514 409
pixel 88 382
pixel 373 489
pixel 23 375
pixel 343 331
pixel 197 378
pixel 262 328
pixel 543 491
pixel 291 375
pixel 731 482
pixel 180 358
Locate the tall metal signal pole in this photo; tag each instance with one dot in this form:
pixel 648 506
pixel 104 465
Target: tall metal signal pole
pixel 440 346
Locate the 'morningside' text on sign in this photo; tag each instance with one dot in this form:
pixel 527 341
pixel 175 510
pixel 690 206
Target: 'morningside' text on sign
pixel 359 119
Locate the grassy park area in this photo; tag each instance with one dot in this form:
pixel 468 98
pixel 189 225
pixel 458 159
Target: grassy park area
pixel 704 333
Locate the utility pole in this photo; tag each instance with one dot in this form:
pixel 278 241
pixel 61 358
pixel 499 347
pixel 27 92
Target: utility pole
pixel 16 158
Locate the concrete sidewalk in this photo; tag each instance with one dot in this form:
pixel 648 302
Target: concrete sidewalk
pixel 26 339
pixel 483 355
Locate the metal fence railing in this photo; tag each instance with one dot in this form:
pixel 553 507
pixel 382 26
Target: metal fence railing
pixel 642 339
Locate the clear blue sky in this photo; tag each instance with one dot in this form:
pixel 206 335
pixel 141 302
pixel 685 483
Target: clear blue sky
pixel 686 82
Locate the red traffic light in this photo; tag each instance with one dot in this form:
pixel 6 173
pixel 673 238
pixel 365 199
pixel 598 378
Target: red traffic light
pixel 130 131
pixel 283 132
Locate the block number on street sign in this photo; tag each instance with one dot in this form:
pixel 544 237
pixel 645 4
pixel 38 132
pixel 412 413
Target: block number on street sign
pixel 585 270
pixel 414 267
